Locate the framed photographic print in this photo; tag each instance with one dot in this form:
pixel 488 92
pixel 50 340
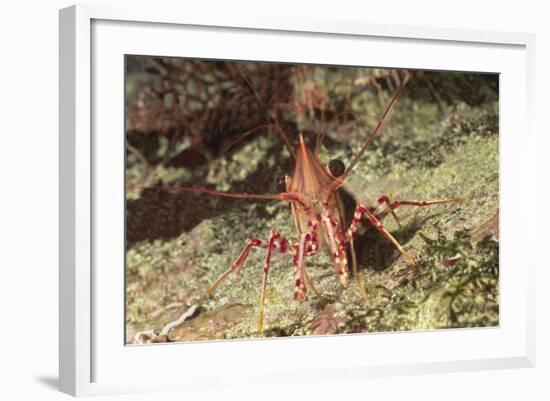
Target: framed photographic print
pixel 237 192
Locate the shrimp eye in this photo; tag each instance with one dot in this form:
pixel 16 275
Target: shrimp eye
pixel 336 167
pixel 281 183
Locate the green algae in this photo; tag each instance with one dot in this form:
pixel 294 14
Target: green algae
pixel 427 151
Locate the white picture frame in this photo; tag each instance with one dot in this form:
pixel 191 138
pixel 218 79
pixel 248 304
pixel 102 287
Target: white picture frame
pixel 91 40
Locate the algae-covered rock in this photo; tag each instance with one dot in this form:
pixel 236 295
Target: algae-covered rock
pixel 440 141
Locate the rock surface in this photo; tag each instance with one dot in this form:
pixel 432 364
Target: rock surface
pixel 429 150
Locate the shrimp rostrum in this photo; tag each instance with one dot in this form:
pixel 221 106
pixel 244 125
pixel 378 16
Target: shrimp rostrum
pixel 317 210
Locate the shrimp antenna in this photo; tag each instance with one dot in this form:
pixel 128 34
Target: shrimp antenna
pixel 376 131
pixel 283 196
pixel 215 193
pixel 340 180
pixel 266 110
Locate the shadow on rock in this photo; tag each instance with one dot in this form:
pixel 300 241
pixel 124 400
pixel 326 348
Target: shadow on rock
pixel 160 214
pixel 376 252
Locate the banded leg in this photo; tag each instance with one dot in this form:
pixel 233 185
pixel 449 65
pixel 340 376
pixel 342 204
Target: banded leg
pixel 273 236
pixel 391 206
pixel 356 222
pixel 235 267
pixel 395 204
pixel 308 245
pixel 299 269
pixel 337 243
pixel 310 250
pixel 384 199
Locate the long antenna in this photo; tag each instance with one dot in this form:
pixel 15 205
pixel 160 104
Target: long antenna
pixel 376 131
pixel 321 134
pixel 216 193
pixel 266 110
pixel 338 181
pixel 282 196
